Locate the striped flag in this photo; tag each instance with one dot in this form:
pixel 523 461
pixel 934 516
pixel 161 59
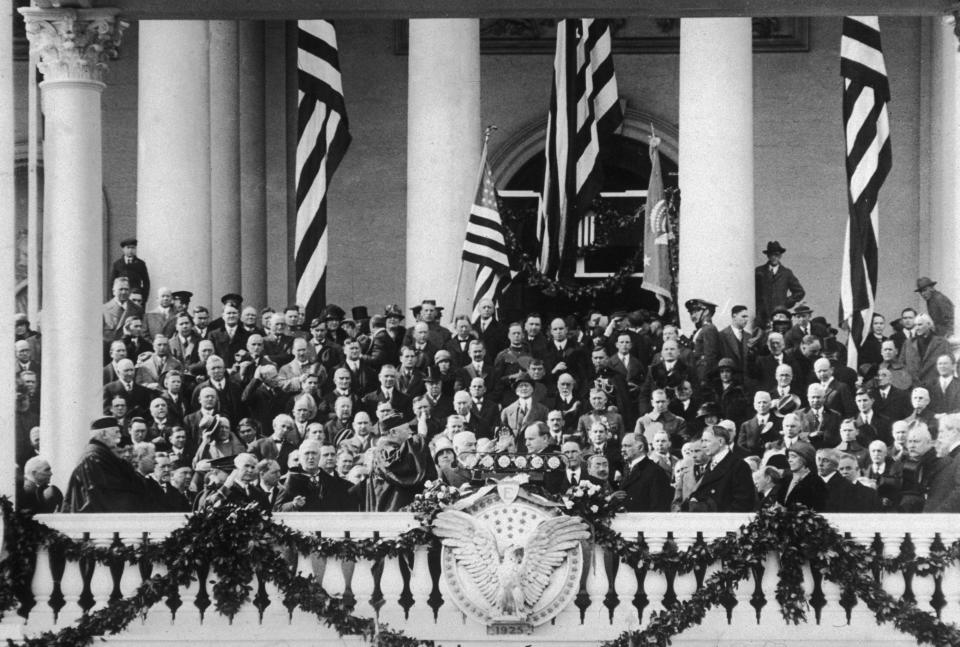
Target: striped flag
pixel 485 244
pixel 866 93
pixel 322 139
pixel 656 233
pixel 584 110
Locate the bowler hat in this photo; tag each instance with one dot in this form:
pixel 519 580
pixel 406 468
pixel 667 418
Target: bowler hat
pixel 924 282
pixel 774 247
pixel 128 242
pixel 805 451
pixel 802 309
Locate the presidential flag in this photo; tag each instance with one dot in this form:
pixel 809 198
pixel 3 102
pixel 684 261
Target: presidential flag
pixel 656 233
pixel 322 139
pixel 485 244
pixel 584 111
pixel 866 93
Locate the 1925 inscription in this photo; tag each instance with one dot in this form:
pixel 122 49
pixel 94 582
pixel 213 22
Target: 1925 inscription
pixel 509 628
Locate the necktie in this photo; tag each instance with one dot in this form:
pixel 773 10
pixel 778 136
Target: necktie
pixel 572 478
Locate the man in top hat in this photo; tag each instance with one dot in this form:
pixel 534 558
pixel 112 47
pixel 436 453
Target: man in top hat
pixel 429 313
pixel 132 267
pixel 776 285
pixel 939 307
pixel 706 340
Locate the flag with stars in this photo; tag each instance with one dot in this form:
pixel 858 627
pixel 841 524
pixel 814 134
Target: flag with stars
pixel 485 244
pixel 656 234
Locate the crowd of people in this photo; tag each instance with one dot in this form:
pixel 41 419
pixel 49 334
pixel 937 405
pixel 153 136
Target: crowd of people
pixel 360 412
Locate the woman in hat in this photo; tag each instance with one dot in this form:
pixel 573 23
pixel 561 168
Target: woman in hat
pixel 804 486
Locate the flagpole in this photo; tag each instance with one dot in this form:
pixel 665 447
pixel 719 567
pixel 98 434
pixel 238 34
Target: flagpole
pixel 483 163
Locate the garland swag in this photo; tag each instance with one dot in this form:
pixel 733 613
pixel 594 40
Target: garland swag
pixel 241 543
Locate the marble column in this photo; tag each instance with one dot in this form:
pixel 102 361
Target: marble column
pixel 717 247
pixel 253 189
pixel 173 155
pixel 942 262
pixel 443 151
pixel 224 158
pixel 73 46
pixel 8 240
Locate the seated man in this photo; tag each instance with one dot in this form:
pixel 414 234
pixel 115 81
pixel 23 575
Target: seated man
pixel 36 495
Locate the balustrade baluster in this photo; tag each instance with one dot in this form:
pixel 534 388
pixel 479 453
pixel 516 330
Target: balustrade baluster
pixel 202 599
pixel 640 599
pixel 421 615
pixel 405 562
pixel 23 590
pixel 44 586
pixel 433 563
pixel 907 552
pixel 924 585
pixel 611 568
pixel 116 566
pixel 393 585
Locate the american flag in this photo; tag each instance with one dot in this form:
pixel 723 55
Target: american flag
pixel 484 243
pixel 584 110
pixel 322 139
pixel 866 93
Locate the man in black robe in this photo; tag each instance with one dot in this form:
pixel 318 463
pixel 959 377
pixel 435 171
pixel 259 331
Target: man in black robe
pixel 102 481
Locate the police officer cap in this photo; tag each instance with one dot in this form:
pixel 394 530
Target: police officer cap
pixel 128 242
pixel 693 305
pixel 183 295
pixel 231 298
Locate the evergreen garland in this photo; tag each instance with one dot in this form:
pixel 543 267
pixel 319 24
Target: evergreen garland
pixel 242 543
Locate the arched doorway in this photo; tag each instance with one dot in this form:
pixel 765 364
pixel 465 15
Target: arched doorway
pixel 519 163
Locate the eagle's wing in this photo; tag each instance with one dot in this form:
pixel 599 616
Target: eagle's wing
pixel 474 546
pixel 545 551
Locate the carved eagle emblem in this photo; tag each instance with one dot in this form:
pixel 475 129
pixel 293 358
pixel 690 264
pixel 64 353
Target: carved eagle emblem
pixel 513 579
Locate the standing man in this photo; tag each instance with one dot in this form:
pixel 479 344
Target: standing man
pixel 776 285
pixel 102 481
pixel 706 339
pixel 132 267
pixel 939 307
pixel 734 339
pixel 645 486
pixel 117 310
pixel 727 483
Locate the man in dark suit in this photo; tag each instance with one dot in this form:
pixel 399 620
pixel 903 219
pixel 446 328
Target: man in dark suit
pixel 383 349
pixel 240 487
pixel 131 267
pixel 889 401
pixel 524 411
pixel 263 397
pixel 472 421
pixel 229 393
pixel 841 496
pixel 231 337
pixel 102 481
pixel 760 429
pixel 388 392
pixel 803 326
pixel 822 424
pixel 920 354
pixel 943 494
pixel 645 487
pixel 945 388
pixel 727 483
pixel 312 489
pixel 776 285
pixel 706 339
pixel 477 366
pixel 734 338
pixel 35 494
pixel 870 424
pixel 864 498
pixel 137 396
pixel 489 329
pixel 409 378
pixel 275 447
pixel 363 379
pixel 184 344
pixel 563 355
pixel 836 394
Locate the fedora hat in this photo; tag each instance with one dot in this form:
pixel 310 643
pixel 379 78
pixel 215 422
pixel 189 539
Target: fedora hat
pixel 774 247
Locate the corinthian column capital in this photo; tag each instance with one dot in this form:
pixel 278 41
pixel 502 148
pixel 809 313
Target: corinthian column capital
pixel 73 44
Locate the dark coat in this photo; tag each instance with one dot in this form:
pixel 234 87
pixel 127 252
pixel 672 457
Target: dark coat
pixel 810 492
pixel 896 406
pixel 943 494
pixel 647 487
pixel 841 495
pixel 888 484
pixel 104 482
pixel 382 350
pixel 323 493
pixel 772 290
pixel 944 401
pixel 135 270
pixel 728 487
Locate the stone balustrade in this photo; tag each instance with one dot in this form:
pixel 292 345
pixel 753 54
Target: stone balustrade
pixel 612 597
